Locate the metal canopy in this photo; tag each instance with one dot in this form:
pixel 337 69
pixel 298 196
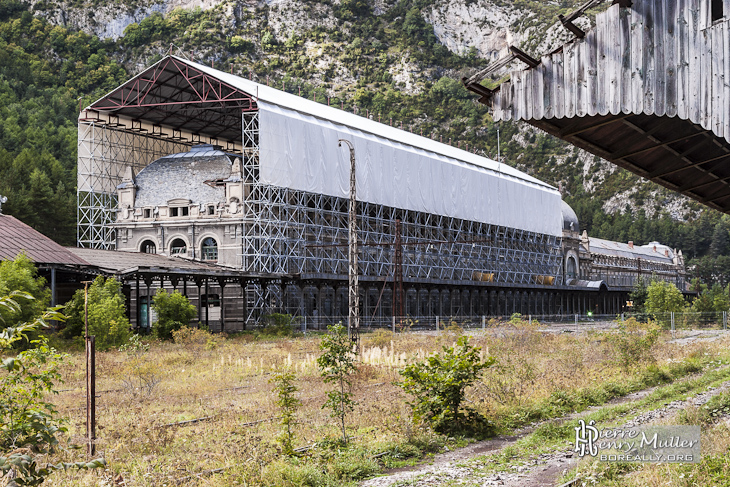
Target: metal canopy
pixel 175 94
pixel 644 89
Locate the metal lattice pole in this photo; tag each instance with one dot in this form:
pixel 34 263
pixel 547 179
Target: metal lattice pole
pixel 353 317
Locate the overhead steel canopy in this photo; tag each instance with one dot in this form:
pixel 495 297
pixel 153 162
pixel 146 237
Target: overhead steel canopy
pixel 646 89
pixel 175 94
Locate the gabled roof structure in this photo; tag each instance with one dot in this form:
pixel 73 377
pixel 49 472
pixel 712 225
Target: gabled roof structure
pixel 646 89
pixel 185 96
pixel 16 237
pixel 295 145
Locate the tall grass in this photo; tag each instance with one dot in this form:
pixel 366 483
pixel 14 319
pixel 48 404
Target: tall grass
pixel 226 382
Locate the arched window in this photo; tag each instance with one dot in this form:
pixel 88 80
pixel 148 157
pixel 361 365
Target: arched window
pixel 209 249
pixel 178 247
pixel 148 247
pixel 571 268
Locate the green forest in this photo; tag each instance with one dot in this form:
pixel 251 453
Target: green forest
pixel 47 71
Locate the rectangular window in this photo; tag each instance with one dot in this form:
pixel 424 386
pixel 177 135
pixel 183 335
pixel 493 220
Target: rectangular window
pixel 173 211
pixel 211 210
pixel 147 213
pixel 717 10
pixel 184 211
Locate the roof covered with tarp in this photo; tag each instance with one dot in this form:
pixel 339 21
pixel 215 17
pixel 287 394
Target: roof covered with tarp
pixel 298 141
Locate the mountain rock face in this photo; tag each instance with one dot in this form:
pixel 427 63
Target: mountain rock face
pixel 357 48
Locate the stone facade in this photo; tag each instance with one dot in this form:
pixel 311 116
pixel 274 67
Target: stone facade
pixel 186 205
pixel 616 264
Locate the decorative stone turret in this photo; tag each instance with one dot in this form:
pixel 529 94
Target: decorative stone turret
pixel 126 193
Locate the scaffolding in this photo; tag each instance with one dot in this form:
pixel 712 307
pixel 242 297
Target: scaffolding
pixel 295 232
pixel 107 144
pixel 286 231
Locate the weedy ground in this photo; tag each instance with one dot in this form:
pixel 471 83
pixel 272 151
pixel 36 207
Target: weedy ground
pixel 224 383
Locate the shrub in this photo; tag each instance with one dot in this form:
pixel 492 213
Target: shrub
pixel 288 404
pixel 337 365
pixel 439 384
pixel 28 423
pixel 21 275
pixel 107 318
pixel 633 342
pixel 173 312
pixel 277 324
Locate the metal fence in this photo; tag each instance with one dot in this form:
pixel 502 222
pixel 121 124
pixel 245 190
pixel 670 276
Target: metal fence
pixel 441 323
pixel 713 320
pixel 668 321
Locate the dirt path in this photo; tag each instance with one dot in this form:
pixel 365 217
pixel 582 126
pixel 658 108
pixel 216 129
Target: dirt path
pixel 462 466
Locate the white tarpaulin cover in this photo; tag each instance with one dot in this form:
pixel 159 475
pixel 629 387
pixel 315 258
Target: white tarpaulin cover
pixel 301 152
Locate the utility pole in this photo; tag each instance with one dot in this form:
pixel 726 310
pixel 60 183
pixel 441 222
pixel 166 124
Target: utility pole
pixel 398 273
pixel 353 317
pixel 90 378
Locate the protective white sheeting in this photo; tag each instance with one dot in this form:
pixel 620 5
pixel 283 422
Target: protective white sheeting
pixel 300 151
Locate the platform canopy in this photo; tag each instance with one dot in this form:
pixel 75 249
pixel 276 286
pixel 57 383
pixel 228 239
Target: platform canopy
pixel 646 89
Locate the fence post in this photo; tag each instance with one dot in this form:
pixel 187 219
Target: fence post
pixel 393 323
pixel 672 315
pixel 529 320
pixel 724 320
pixel 484 323
pixel 305 324
pixel 437 324
pixel 622 318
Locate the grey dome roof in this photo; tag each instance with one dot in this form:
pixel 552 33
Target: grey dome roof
pixel 183 176
pixel 569 217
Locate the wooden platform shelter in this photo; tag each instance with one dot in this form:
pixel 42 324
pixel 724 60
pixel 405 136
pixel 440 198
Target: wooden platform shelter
pixel 648 89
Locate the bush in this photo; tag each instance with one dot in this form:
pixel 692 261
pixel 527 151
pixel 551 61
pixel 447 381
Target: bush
pixel 107 314
pixel 173 312
pixel 277 324
pixel 29 424
pixel 439 384
pixel 633 342
pixel 21 275
pixel 337 365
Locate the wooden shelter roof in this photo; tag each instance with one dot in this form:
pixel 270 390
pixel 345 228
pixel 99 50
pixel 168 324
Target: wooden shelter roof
pixel 645 89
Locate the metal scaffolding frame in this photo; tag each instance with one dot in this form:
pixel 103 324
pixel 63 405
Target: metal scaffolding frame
pixel 287 232
pixel 107 144
pixel 299 233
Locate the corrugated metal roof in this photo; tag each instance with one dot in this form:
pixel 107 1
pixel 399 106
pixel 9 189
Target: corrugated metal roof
pixel 619 249
pixel 17 237
pixel 119 262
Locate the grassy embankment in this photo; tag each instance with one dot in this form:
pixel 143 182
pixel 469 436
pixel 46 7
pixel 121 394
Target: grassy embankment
pixel 225 381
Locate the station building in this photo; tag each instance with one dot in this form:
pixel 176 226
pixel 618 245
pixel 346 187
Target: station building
pixel 197 164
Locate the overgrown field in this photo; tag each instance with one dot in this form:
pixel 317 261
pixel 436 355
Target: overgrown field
pixel 225 384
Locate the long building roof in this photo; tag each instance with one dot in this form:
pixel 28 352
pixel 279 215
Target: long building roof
pixel 298 140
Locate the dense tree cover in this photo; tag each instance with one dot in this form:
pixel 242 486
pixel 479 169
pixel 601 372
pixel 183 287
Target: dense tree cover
pixel 44 69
